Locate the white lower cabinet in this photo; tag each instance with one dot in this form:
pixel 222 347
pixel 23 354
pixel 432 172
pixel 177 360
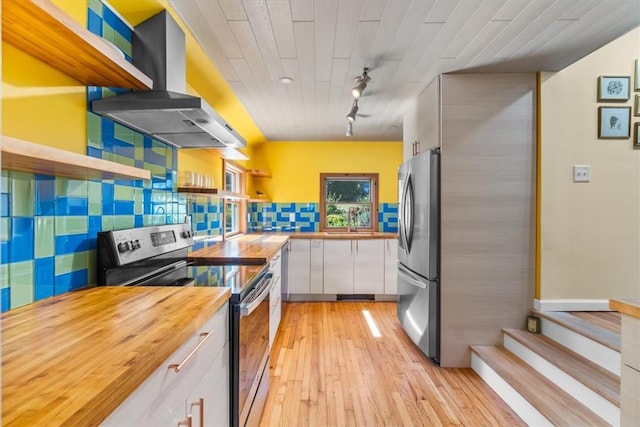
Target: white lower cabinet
pixel 391 266
pixel 316 274
pixel 275 298
pixel 354 266
pixel 299 266
pixel 165 397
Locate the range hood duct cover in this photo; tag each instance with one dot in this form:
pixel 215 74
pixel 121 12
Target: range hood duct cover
pixel 166 112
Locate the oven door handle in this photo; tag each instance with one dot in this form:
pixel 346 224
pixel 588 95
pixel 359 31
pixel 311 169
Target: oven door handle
pixel 247 308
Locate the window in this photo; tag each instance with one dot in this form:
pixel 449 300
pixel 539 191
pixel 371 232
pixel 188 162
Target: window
pixel 234 183
pixel 348 201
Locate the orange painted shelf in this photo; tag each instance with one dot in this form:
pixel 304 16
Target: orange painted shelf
pixel 258 173
pixel 41 29
pixel 35 158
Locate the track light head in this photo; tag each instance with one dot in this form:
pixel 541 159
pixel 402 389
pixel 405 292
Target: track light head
pixel 351 117
pixel 349 129
pixel 356 92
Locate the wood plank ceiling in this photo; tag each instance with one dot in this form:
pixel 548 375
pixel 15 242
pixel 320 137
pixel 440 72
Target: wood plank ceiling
pixel 323 44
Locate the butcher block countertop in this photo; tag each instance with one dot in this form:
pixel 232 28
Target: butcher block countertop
pixel 72 359
pixel 248 249
pixel 628 306
pixel 343 235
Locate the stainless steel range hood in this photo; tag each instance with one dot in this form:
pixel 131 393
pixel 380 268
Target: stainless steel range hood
pixel 166 112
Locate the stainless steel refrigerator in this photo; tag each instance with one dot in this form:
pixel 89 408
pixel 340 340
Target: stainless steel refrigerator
pixel 419 251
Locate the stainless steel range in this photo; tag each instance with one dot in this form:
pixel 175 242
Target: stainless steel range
pixel 155 256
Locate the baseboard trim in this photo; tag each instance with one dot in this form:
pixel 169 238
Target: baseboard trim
pixel 571 305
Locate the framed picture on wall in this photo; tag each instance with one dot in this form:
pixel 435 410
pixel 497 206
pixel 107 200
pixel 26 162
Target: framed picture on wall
pixel 636 135
pixel 637 106
pixel 613 88
pixel 636 84
pixel 614 122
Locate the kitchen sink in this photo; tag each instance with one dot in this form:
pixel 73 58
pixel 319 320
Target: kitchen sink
pixel 350 233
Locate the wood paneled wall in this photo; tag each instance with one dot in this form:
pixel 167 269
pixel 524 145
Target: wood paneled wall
pixel 488 171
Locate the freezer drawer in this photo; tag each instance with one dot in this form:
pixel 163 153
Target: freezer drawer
pixel 418 311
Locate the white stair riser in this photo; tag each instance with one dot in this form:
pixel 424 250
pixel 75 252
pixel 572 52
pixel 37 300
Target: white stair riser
pixel 519 404
pixel 602 355
pixel 598 404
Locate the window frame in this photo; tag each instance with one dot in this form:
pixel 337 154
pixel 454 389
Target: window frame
pixel 240 173
pixel 373 177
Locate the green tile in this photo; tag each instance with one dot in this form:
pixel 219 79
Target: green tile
pixel 123 133
pixel 123 44
pixel 147 220
pixel 94 130
pixel 66 225
pixel 44 236
pixel 71 187
pixel 139 152
pixel 108 156
pixel 106 92
pixel 21 283
pixel 123 192
pixel 4 183
pixel 123 221
pixel 4 276
pixel 138 206
pixel 95 198
pixel 124 160
pixel 96 6
pixel 71 262
pixel 107 223
pixel 108 33
pixel 22 193
pixel 169 161
pixel 5 229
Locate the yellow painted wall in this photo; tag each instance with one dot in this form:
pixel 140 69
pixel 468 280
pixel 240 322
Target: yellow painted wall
pixel 41 104
pixel 296 167
pixel 590 232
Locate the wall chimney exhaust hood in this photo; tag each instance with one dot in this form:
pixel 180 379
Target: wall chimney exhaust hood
pixel 166 112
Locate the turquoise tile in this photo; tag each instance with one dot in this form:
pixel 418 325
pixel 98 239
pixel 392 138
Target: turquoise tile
pixel 66 187
pixel 22 193
pixel 21 283
pixel 71 262
pixel 66 225
pixel 44 236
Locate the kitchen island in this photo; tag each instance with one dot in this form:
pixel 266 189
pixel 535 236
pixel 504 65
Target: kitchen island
pixel 630 354
pixel 74 358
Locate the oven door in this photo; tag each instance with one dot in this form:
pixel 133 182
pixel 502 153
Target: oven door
pixel 254 347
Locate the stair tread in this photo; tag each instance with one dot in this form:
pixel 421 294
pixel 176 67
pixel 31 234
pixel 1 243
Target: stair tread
pixel 555 404
pixel 582 326
pixel 592 375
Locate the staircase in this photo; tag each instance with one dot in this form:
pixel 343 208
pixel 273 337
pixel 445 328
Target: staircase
pixel 569 375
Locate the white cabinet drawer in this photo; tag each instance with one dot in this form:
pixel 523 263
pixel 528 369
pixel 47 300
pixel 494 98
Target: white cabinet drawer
pixel 160 399
pixel 629 397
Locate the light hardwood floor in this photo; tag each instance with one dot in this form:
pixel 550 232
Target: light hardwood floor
pixel 327 369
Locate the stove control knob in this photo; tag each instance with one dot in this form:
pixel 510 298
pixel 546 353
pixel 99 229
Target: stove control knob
pixel 135 244
pixel 123 247
pixel 186 234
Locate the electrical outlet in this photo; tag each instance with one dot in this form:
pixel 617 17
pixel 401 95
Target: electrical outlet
pixel 292 217
pixel 581 173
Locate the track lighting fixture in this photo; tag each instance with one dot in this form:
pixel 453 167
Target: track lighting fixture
pixel 351 117
pixel 349 129
pixel 361 81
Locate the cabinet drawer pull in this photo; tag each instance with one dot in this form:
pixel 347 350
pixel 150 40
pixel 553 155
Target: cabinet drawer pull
pixel 188 422
pixel 200 404
pixel 178 366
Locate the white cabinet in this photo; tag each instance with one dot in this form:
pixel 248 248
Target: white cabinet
pixel 275 297
pixel 368 266
pixel 391 266
pixel 316 278
pixel 338 267
pixel 165 397
pixel 354 266
pixel 299 266
pixel 630 375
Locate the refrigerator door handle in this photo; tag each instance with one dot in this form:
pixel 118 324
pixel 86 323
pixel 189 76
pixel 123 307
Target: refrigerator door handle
pixel 411 278
pixel 409 212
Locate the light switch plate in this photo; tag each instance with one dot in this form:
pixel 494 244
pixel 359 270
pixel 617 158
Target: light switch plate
pixel 292 217
pixel 581 173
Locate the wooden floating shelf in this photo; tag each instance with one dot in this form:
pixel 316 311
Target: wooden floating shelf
pixel 258 173
pixel 259 200
pixel 212 192
pixel 35 158
pixel 41 29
